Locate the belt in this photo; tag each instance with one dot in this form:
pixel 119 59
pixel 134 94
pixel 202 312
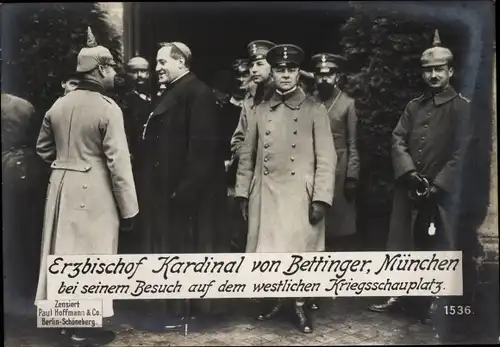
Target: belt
pixel 71 166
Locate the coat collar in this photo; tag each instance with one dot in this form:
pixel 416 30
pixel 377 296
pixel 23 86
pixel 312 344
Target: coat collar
pixel 292 100
pixel 91 85
pixel 443 97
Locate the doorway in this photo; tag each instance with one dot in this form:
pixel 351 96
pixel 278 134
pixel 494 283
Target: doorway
pixel 218 33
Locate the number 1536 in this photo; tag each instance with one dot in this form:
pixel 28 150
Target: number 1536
pixel 459 310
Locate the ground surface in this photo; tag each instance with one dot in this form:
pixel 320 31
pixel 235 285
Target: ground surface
pixel 343 321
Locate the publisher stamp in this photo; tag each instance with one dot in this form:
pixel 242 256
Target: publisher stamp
pixel 69 314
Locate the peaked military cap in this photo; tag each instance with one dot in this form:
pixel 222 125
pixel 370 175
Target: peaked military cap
pixel 93 55
pixel 240 66
pixel 285 54
pixel 258 49
pixel 437 55
pixel 138 63
pixel 327 62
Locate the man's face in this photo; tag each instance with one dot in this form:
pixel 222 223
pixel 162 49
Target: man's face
pixel 139 76
pixel 437 77
pixel 167 67
pixel 286 77
pixel 69 85
pixel 241 81
pixel 260 71
pixel 326 78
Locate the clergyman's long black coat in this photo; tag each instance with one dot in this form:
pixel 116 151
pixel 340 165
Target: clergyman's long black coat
pixel 182 187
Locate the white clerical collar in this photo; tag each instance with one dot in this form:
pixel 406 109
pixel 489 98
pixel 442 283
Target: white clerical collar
pixel 179 77
pixel 287 92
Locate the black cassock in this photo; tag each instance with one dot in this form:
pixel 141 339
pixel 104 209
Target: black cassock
pixel 182 190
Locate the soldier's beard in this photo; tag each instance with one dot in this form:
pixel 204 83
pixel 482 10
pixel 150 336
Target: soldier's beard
pixel 325 90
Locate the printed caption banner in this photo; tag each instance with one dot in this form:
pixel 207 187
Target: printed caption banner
pixel 255 275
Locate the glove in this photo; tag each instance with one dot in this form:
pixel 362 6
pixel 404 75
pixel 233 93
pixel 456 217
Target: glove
pixel 350 186
pixel 414 180
pixel 317 212
pixel 127 224
pixel 243 203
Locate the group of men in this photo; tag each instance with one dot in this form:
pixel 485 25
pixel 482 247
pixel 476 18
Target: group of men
pixel 157 169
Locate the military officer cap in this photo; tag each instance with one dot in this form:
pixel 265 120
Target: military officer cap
pixel 93 55
pixel 286 54
pixel 240 66
pixel 327 62
pixel 138 63
pixel 437 55
pixel 258 49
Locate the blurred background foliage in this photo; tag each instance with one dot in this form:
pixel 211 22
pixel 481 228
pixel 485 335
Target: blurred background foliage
pixel 42 44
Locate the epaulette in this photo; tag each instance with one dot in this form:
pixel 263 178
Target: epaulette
pixel 416 99
pixel 108 99
pixel 464 98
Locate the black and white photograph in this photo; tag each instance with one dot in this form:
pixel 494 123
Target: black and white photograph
pixel 235 130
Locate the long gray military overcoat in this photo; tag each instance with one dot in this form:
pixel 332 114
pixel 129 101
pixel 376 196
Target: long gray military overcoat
pixel 91 186
pixel 341 218
pixel 431 137
pixel 287 161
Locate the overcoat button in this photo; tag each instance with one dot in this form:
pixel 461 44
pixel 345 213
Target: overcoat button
pixel 266 159
pixel 266 145
pixel 293 173
pixel 295 132
pixel 266 172
pixel 293 145
pixel 292 158
pixel 296 119
pixel 268 132
pixel 156 164
pixel 82 205
pixel 23 177
pixel 85 186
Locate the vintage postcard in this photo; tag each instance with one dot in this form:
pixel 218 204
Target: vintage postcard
pixel 249 173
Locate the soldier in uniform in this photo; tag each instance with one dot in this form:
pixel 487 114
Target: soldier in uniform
pixel 24 179
pixel 91 193
pixel 428 147
pixel 341 218
pixel 286 171
pixel 137 101
pixel 260 75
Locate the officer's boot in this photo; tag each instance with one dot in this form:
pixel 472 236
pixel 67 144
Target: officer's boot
pixel 268 314
pixel 304 322
pixel 392 304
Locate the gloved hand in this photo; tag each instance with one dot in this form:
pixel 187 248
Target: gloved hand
pixel 243 203
pixel 414 180
pixel 317 212
pixel 127 224
pixel 350 186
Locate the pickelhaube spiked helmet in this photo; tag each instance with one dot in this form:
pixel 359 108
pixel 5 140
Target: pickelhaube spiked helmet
pixel 436 55
pixel 93 55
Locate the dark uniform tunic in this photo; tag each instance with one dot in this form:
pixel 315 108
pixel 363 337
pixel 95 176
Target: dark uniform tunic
pixel 431 138
pixel 341 218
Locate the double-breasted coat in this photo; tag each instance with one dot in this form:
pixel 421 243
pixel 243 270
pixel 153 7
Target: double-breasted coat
pixel 91 186
pixel 24 179
pixel 341 218
pixel 431 137
pixel 183 184
pixel 286 162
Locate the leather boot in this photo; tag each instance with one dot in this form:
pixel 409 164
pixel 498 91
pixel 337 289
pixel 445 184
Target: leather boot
pixel 392 304
pixel 270 314
pixel 303 319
